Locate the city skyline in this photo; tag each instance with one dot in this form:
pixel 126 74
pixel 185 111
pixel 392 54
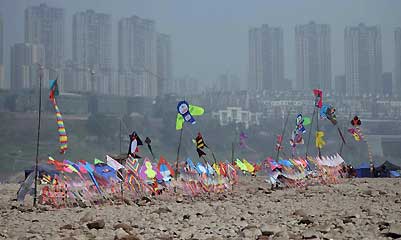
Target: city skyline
pixel 363 60
pixel 92 50
pixel 397 61
pixel 313 56
pixel 266 58
pixel 2 68
pixel 288 30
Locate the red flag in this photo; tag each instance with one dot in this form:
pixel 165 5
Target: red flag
pixel 319 97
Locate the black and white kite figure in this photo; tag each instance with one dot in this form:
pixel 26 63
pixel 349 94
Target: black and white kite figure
pixel 135 141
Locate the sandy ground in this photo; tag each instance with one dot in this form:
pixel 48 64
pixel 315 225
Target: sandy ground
pixel 354 209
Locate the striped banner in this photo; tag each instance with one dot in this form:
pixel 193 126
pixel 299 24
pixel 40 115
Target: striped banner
pixel 132 164
pixel 63 139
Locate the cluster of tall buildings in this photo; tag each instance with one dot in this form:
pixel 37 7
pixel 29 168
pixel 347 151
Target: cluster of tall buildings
pixel 363 60
pixel 397 60
pixel 2 77
pixel 144 55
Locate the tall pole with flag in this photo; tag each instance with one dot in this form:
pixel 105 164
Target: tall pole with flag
pixel 279 141
pixel 35 191
pixel 185 115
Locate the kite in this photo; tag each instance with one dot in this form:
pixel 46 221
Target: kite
pixel 165 169
pixel 319 139
pixel 113 163
pixel 328 112
pixel 296 136
pixel 242 137
pixel 148 141
pixel 242 143
pixel 250 168
pixel 135 141
pixel 272 163
pixel 200 144
pixel 355 131
pixel 63 139
pixel 147 172
pixel 356 122
pixel 190 165
pixel 279 147
pixel 132 164
pixel 318 98
pixel 186 113
pixel 241 165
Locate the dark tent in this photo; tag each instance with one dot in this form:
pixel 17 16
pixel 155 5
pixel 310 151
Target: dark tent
pixel 386 168
pixel 43 169
pixel 380 170
pixel 363 170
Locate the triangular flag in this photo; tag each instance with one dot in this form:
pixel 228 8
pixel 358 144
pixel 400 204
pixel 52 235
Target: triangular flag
pixel 97 161
pixel 113 163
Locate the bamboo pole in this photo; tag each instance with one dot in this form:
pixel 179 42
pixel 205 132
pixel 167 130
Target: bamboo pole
pixel 178 151
pixel 282 135
pixel 38 138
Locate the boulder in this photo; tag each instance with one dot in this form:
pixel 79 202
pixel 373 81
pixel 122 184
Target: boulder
pixel 123 226
pixel 67 227
pixel 120 234
pixel 306 220
pixel 268 229
pixel 98 224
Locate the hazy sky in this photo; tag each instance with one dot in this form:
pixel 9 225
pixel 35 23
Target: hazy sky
pixel 210 37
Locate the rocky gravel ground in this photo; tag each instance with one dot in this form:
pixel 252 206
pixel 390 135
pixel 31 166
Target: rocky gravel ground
pixel 354 209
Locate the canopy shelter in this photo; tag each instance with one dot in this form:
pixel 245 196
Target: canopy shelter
pixel 363 170
pixel 380 170
pixel 386 168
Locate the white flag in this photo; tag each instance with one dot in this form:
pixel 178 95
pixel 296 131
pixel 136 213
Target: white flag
pixel 113 163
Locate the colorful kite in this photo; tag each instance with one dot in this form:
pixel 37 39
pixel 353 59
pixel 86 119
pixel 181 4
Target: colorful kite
pixel 135 141
pixel 318 97
pixel 186 113
pixel 328 112
pixel 296 136
pixel 242 142
pixel 356 122
pixel 279 147
pixel 200 144
pixel 132 164
pixel 63 139
pixel 165 169
pixel 355 131
pixel 320 143
pixel 147 173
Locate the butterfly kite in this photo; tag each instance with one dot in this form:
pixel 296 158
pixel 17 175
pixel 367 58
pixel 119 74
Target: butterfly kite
pixel 186 113
pixel 63 139
pixel 355 131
